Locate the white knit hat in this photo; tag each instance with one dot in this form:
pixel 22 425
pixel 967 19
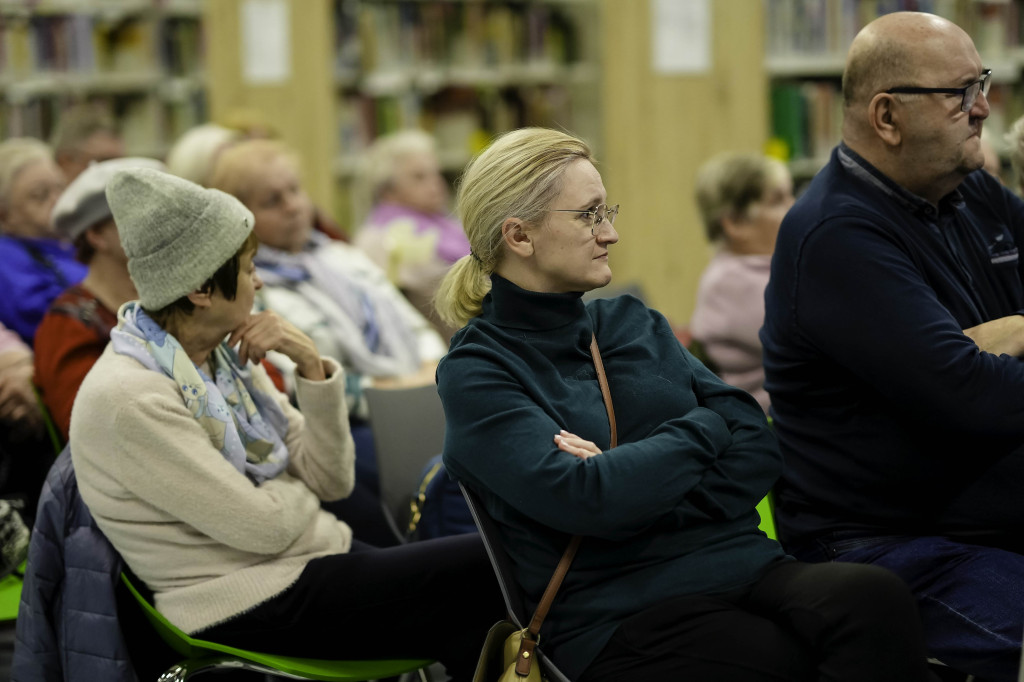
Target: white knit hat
pixel 84 202
pixel 175 233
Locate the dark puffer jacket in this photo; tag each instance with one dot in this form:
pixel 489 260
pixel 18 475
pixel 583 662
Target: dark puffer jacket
pixel 67 627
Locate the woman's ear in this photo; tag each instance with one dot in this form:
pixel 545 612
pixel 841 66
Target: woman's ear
pixel 733 225
pixel 200 298
pixel 516 238
pixel 884 117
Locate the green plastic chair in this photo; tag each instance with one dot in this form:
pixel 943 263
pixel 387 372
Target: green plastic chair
pixel 203 656
pixel 766 510
pixel 10 594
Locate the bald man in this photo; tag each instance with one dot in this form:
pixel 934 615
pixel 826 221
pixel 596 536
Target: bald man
pixel 893 344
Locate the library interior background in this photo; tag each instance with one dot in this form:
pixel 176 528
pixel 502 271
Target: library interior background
pixel 657 87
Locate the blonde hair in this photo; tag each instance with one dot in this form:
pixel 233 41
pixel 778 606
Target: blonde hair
pixel 517 176
pixel 233 170
pixel 729 183
pixel 195 153
pixel 15 154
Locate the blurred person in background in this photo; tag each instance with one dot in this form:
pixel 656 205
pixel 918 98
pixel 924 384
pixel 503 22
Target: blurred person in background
pixel 742 199
pixel 195 153
pixel 1015 151
pixel 85 133
pixel 76 328
pixel 37 266
pixel 409 231
pixel 333 293
pixel 25 453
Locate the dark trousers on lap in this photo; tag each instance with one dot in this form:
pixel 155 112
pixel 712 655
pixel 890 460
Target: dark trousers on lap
pixel 798 622
pixel 432 599
pixel 970 593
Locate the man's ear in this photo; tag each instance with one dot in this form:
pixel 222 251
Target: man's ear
pixel 516 238
pixel 885 118
pixel 200 299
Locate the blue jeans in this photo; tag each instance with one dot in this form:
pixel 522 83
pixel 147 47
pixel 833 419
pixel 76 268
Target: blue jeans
pixel 970 596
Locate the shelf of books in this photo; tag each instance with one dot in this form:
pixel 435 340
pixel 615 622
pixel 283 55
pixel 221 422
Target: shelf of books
pixel 142 59
pixel 806 43
pixel 463 70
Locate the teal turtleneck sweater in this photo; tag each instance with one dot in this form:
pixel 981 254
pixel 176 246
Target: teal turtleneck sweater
pixel 668 512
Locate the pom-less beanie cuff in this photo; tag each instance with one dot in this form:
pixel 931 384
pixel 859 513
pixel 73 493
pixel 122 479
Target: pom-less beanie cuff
pixel 175 233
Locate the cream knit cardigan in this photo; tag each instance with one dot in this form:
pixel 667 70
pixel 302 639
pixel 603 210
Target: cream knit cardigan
pixel 207 542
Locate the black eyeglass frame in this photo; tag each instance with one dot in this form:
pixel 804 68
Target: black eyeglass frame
pixel 597 214
pixel 980 86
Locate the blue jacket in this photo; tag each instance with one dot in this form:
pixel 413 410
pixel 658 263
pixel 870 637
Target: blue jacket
pixel 34 272
pixel 67 625
pixel 668 512
pixel 890 419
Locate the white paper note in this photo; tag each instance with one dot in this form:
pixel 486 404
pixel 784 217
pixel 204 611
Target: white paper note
pixel 681 31
pixel 266 45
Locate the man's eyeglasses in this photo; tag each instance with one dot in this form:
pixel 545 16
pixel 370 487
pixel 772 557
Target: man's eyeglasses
pixel 597 215
pixel 970 92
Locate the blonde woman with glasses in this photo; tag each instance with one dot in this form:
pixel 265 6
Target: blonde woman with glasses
pixel 673 579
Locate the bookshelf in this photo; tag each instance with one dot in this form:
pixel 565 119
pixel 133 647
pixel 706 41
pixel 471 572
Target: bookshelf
pixel 142 59
pixel 806 43
pixel 464 70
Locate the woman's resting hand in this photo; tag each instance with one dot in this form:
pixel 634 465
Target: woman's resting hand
pixel 574 445
pixel 266 331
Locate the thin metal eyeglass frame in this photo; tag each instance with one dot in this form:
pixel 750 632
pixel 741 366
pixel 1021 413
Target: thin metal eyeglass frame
pixel 597 214
pixel 980 87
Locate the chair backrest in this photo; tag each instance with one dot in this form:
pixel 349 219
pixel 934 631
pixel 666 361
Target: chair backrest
pixel 515 601
pixel 10 594
pixel 408 429
pixel 766 510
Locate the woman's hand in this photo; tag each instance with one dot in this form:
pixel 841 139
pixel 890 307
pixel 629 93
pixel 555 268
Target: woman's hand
pixel 266 331
pixel 574 445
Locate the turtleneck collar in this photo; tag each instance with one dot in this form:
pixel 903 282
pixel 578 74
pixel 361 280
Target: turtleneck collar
pixel 508 305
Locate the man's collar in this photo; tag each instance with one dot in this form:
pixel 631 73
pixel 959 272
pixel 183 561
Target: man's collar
pixel 860 168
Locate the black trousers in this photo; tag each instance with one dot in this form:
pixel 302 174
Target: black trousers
pixel 432 599
pixel 798 622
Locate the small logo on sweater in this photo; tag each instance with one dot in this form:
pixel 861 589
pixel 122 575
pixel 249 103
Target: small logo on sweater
pixel 1002 251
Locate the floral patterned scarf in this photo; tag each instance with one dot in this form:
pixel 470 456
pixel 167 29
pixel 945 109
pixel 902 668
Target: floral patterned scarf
pixel 245 424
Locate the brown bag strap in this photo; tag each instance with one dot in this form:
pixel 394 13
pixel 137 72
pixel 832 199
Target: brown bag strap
pixel 525 656
pixel 602 379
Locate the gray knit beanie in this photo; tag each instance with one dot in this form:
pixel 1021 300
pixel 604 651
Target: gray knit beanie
pixel 175 233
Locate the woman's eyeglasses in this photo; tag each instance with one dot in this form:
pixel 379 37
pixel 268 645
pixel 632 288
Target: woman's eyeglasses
pixel 597 215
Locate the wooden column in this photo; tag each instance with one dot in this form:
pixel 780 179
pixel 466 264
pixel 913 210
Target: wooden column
pixel 658 129
pixel 301 108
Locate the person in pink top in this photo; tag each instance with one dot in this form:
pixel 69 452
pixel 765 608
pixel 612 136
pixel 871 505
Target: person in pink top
pixel 742 199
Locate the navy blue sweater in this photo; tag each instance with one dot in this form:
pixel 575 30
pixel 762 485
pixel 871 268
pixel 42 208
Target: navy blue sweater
pixel 890 419
pixel 668 512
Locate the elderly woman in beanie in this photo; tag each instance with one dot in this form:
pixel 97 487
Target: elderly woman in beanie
pixel 36 265
pixel 76 328
pixel 208 482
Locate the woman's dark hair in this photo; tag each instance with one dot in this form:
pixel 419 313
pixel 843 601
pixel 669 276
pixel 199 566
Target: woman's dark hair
pixel 224 280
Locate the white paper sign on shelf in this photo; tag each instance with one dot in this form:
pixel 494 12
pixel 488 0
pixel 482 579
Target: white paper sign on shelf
pixel 681 32
pixel 266 42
